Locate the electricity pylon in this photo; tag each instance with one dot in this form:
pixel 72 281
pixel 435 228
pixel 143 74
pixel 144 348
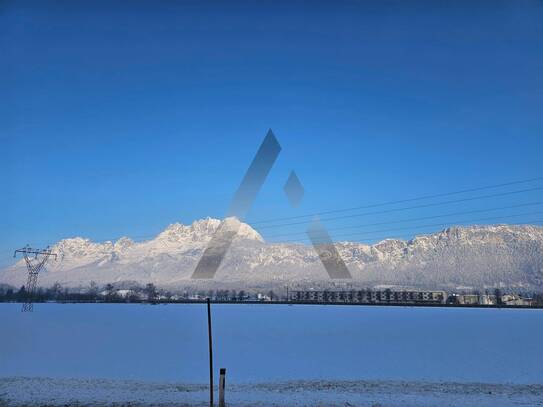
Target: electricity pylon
pixel 35 261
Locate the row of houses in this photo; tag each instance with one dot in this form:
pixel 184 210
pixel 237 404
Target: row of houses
pixel 489 299
pixel 350 296
pixel 370 297
pixel 406 297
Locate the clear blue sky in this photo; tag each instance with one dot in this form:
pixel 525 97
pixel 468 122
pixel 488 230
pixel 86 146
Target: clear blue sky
pixel 120 118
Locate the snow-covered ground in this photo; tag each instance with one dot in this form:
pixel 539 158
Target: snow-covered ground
pixel 100 354
pixel 61 392
pixel 269 343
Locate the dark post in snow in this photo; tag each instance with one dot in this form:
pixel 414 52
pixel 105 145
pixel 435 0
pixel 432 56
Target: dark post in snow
pixel 222 384
pixel 210 353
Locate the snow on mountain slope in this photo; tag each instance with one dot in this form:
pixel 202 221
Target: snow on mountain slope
pixel 474 256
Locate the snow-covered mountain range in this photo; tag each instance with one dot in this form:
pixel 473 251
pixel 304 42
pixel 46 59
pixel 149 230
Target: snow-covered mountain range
pixel 476 256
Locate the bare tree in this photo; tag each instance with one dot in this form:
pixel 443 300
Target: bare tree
pixel 93 290
pixel 151 292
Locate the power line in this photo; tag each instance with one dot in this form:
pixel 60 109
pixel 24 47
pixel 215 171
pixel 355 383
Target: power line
pixel 373 238
pixel 424 197
pixel 146 237
pixel 408 207
pixel 430 225
pixel 413 219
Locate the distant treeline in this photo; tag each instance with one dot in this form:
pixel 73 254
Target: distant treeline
pixel 110 293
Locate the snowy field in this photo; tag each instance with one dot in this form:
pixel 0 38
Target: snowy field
pixel 101 354
pixel 94 392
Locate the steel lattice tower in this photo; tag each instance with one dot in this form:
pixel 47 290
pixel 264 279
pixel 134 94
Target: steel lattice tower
pixel 35 261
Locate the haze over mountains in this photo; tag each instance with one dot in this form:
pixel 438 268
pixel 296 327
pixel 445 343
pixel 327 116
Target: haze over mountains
pixel 475 257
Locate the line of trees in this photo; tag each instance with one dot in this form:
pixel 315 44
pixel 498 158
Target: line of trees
pixel 93 293
pixel 111 293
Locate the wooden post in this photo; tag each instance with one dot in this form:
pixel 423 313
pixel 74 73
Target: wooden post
pixel 222 384
pixel 210 353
